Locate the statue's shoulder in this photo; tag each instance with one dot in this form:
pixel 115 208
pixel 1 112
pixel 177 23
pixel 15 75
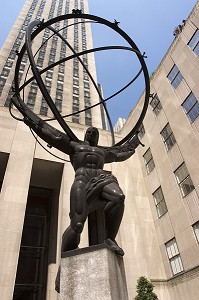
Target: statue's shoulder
pixel 80 146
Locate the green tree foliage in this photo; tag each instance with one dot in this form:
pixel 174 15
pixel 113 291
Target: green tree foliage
pixel 145 290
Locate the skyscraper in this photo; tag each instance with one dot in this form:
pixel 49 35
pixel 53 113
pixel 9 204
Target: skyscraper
pixel 68 83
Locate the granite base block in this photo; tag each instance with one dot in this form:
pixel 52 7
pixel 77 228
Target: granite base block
pixel 92 273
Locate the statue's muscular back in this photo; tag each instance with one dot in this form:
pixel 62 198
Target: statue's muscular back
pixel 86 156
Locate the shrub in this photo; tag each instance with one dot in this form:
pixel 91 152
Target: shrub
pixel 145 289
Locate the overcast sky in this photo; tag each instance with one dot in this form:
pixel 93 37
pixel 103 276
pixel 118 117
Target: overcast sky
pixel 149 23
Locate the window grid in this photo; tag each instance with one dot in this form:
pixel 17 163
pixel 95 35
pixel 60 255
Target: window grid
pixel 75 119
pixel 191 107
pixel 149 162
pixel 175 77
pixel 88 121
pixel 160 203
pixel 184 180
pixel 141 131
pixel 32 95
pixel 194 42
pixel 168 137
pixel 174 257
pixel 156 105
pixel 196 231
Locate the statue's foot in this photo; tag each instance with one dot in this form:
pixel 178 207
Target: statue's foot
pixel 114 247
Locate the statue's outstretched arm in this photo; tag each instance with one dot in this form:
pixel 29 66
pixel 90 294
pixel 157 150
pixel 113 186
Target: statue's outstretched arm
pixel 52 136
pixel 121 156
pixel 121 153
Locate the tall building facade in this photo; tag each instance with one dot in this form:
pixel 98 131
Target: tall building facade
pixel 79 93
pixel 160 228
pixel 169 162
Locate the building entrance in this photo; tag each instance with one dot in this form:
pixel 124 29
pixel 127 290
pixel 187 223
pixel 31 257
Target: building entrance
pixel 31 278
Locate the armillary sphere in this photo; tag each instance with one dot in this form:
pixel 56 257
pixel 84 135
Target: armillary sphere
pixel 37 27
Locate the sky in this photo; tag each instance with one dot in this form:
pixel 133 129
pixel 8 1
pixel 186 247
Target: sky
pixel 150 25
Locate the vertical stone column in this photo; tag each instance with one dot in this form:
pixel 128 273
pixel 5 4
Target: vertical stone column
pixel 13 200
pixel 92 273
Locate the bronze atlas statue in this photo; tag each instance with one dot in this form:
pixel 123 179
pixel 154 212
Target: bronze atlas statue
pixel 93 187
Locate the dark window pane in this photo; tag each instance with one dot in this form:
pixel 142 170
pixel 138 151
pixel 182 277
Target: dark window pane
pixel 191 107
pixel 161 208
pixel 175 77
pixel 156 105
pixel 187 186
pixel 196 230
pixel 170 142
pixel 174 257
pixel 189 102
pixel 196 49
pixel 149 163
pixel 184 180
pixel 177 80
pixel 173 73
pixel 158 195
pixel 160 203
pixel 193 114
pixel 194 43
pixel 168 137
pixel 141 131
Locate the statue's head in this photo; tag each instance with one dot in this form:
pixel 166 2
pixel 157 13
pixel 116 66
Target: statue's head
pixel 92 136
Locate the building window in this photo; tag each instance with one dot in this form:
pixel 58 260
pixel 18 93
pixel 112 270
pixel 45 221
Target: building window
pixel 59 95
pixel 88 121
pixel 2 83
pixel 49 74
pixel 60 86
pixel 88 113
pixel 75 73
pixel 75 119
pixel 149 162
pixel 87 94
pixel 86 85
pixel 61 68
pixel 156 105
pixel 75 82
pixel 43 110
pixel 86 77
pixel 160 203
pixel 75 100
pixel 5 72
pixel 175 77
pixel 60 77
pixel 191 107
pixel 141 131
pixel 75 90
pixel 184 180
pixel 76 65
pixel 174 257
pixel 76 110
pixel 168 137
pixel 87 103
pixel 194 42
pixel 9 63
pixel 196 231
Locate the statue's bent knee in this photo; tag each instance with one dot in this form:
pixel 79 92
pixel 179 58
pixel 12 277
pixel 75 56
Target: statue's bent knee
pixel 121 197
pixel 78 227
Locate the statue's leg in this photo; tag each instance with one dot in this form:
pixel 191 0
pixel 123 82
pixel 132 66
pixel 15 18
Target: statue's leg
pixel 78 215
pixel 113 211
